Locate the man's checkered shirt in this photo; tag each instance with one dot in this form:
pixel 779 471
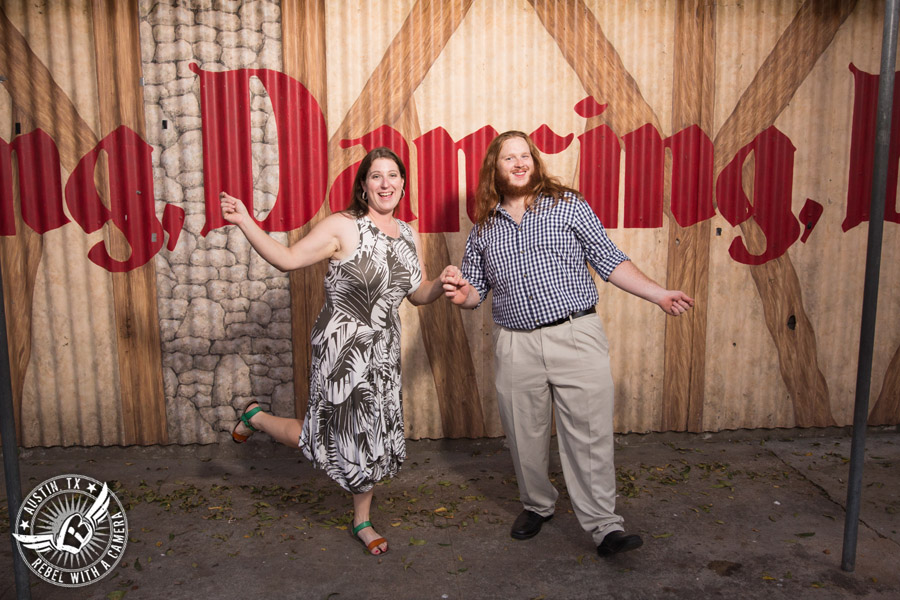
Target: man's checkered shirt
pixel 538 269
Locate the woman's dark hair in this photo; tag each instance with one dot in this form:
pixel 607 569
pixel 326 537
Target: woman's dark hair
pixel 358 205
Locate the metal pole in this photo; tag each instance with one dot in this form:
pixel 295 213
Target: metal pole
pixel 870 289
pixel 11 455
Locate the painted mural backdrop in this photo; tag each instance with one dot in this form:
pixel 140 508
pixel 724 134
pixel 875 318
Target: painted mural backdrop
pixel 726 146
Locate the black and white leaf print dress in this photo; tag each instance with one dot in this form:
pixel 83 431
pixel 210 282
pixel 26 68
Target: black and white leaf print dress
pixel 354 425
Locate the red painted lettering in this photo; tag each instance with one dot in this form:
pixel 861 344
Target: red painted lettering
pixel 644 165
pixel 40 183
pixel 862 151
pixel 771 208
pixel 692 176
pixel 809 216
pixel 227 158
pixel 598 173
pixel 438 175
pixel 549 142
pixel 131 204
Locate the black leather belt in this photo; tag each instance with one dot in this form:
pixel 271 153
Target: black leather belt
pixel 574 315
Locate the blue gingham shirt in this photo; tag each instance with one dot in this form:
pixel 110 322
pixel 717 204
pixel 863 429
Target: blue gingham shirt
pixel 538 268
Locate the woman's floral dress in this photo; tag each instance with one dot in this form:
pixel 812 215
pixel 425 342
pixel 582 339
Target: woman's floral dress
pixel 354 424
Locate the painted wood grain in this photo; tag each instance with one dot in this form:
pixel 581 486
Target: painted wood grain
pixel 596 62
pixel 118 52
pixel 783 71
pixel 303 51
pixel 688 247
pixel 20 256
pixel 67 395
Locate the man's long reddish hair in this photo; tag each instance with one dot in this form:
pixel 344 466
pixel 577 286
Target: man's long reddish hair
pixel 487 196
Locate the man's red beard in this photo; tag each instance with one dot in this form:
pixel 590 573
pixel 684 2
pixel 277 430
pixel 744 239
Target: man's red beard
pixel 507 189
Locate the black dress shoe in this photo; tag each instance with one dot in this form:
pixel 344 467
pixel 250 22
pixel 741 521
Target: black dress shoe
pixel 527 525
pixel 618 541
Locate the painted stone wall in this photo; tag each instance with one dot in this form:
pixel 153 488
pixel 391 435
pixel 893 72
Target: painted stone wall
pixel 225 319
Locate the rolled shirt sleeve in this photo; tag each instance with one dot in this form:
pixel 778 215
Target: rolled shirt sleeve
pixel 599 250
pixel 473 269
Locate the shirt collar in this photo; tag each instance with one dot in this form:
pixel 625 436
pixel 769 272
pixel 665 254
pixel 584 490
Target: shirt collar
pixel 498 209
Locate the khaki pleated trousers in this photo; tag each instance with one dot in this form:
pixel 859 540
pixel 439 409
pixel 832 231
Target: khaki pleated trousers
pixel 566 368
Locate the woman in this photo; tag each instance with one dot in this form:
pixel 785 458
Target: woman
pixel 354 424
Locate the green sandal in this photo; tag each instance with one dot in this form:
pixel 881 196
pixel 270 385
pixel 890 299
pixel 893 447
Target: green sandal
pixel 371 545
pixel 248 413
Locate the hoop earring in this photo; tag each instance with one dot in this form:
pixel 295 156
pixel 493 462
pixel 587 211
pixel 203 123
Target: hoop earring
pixel 365 198
pixel 402 194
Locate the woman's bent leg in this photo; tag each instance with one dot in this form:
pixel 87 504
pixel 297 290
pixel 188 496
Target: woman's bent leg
pixel 282 429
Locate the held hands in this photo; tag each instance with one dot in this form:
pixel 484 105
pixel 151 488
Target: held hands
pixel 233 210
pixel 456 289
pixel 675 302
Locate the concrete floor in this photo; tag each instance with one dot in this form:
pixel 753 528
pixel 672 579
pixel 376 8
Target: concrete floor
pixel 733 515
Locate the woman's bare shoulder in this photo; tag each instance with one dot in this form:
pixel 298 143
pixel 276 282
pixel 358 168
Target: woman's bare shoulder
pixel 339 221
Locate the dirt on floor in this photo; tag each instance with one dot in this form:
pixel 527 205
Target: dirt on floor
pixel 731 515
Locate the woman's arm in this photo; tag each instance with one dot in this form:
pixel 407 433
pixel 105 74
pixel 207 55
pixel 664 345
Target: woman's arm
pixel 430 289
pixel 324 241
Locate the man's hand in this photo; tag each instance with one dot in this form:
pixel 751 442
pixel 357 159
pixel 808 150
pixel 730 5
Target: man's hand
pixel 456 289
pixel 675 302
pixel 628 277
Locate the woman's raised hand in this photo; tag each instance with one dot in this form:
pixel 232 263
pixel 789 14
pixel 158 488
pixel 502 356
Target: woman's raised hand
pixel 233 210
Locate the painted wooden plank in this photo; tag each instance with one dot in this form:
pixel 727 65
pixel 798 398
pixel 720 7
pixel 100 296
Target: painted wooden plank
pixel 783 71
pixel 117 43
pixel 67 395
pixel 20 256
pixel 688 248
pixel 303 51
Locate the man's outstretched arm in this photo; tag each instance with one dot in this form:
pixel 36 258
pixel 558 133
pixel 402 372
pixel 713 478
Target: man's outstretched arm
pixel 629 278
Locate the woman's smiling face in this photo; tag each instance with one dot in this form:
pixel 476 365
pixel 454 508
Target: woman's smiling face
pixel 383 186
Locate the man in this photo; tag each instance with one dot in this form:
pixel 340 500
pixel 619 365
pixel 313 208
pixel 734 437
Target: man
pixel 531 243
